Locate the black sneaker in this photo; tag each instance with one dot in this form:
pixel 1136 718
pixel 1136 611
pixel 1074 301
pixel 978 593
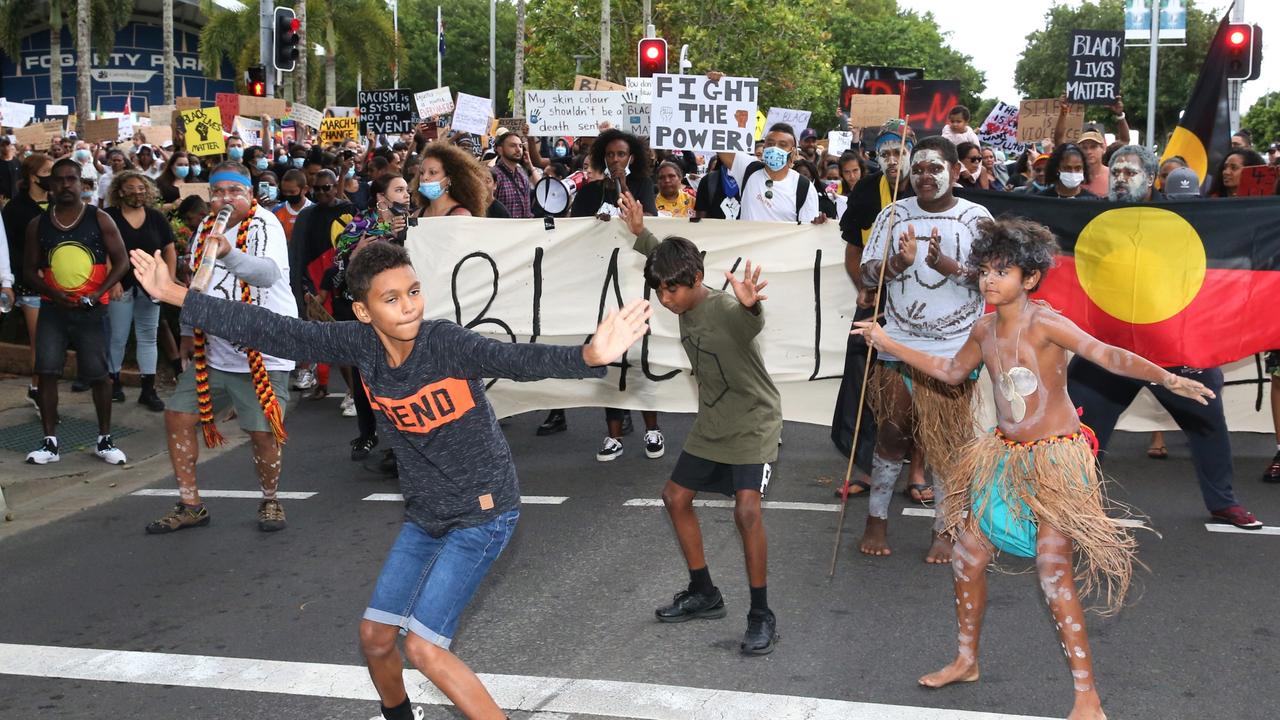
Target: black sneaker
pixel 627 426
pixel 79 386
pixel 762 633
pixel 688 605
pixel 555 423
pixel 1272 474
pixel 654 445
pixel 117 390
pixel 33 395
pixel 362 446
pixel 388 466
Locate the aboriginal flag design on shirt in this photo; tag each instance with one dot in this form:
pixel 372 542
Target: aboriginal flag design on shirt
pixel 74 260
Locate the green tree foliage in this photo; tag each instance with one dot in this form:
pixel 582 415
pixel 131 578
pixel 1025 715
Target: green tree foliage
pixel 559 29
pixel 466 60
pixel 1263 119
pixel 1042 69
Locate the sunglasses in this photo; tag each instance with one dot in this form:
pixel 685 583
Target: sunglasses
pixel 973 158
pixel 768 189
pixel 322 188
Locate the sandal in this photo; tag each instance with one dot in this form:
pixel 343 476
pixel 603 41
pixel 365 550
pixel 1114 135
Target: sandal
pixel 1158 453
pixel 916 491
pixel 857 488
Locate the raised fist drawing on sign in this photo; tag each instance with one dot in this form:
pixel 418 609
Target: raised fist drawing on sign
pixel 203 127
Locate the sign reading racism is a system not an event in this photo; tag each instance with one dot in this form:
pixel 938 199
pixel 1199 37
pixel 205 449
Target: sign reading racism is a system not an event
pixel 692 112
pixel 573 112
pixel 1093 66
pixel 385 111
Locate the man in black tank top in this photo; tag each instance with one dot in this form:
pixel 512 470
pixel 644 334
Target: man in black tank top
pixel 66 260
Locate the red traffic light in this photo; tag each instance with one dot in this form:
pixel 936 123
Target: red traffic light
pixel 652 52
pixel 651 57
pixel 258 89
pixel 1236 38
pixel 1242 45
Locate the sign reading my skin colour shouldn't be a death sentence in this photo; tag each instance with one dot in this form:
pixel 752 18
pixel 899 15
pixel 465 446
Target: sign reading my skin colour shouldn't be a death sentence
pixel 573 112
pixel 691 112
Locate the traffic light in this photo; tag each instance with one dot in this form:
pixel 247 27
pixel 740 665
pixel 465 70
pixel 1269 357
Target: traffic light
pixel 651 57
pixel 256 79
pixel 1244 51
pixel 284 39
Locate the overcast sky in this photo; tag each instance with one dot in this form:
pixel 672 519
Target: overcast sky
pixel 995 43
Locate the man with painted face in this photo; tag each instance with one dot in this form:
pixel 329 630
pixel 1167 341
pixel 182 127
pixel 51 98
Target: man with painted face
pixel 1104 396
pixel 252 267
pixel 920 246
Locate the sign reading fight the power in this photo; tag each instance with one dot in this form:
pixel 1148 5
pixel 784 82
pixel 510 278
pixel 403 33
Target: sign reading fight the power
pixel 691 112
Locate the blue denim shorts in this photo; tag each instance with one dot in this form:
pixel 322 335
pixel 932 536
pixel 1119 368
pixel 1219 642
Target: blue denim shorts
pixel 427 582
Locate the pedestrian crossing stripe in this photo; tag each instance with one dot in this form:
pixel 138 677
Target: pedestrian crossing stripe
pixel 240 494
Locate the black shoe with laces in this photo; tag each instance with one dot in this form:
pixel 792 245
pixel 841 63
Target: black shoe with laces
pixel 78 386
pixel 362 446
pixel 555 423
pixel 687 605
pixel 762 633
pixel 117 389
pixel 1272 474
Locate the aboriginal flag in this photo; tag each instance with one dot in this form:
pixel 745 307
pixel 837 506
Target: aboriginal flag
pixel 1203 135
pixel 1191 282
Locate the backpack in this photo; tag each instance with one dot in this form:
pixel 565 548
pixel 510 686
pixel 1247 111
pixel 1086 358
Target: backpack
pixel 801 196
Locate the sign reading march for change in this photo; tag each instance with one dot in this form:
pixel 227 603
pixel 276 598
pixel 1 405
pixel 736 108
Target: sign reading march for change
pixel 690 112
pixel 203 131
pixel 339 129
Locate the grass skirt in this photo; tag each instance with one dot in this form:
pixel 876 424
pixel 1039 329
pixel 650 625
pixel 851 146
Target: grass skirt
pixel 942 415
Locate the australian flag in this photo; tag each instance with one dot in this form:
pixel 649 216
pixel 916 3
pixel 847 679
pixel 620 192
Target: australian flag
pixel 440 34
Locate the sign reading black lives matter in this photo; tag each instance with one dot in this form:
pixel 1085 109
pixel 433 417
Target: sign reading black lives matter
pixel 690 112
pixel 386 111
pixel 1093 66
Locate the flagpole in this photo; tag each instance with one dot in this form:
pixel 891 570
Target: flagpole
pixel 395 29
pixel 439 56
pixel 493 64
pixel 1151 76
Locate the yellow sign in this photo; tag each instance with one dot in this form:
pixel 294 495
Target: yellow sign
pixel 339 129
pixel 203 131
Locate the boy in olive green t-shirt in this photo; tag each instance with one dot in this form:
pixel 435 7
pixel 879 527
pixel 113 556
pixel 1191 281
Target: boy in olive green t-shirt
pixel 735 435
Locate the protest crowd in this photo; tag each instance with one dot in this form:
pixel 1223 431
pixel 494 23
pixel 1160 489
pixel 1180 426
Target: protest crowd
pixel 307 217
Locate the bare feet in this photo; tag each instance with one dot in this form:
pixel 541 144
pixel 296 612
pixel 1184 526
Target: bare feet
pixel 1088 707
pixel 960 670
pixel 874 539
pixel 940 551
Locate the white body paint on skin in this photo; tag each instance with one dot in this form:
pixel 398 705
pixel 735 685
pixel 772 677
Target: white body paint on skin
pixel 941 178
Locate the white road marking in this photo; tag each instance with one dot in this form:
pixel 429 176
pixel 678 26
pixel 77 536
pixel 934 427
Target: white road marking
pixel 524 499
pixel 607 698
pixel 1222 528
pixel 930 512
pixel 243 494
pixel 767 504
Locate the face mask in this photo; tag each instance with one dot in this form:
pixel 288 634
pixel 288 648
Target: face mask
pixel 26 154
pixel 44 182
pixel 86 195
pixel 400 208
pixel 195 171
pixel 432 190
pixel 235 153
pixel 82 155
pixel 282 159
pixel 561 151
pixel 181 171
pixel 261 163
pixel 775 158
pixel 270 192
pixel 1071 179
pixel 351 172
pixel 298 162
pixel 291 199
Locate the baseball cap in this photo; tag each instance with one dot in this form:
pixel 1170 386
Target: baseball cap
pixel 1182 183
pixel 1093 135
pixel 808 133
pixel 1038 158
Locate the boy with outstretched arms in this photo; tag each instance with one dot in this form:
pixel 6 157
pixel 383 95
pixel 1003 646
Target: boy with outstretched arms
pixel 1031 487
pixel 456 472
pixel 735 435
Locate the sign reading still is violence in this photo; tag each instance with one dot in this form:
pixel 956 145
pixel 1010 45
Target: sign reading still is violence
pixel 690 112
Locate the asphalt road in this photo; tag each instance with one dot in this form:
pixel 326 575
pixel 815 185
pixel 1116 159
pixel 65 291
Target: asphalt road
pixel 573 596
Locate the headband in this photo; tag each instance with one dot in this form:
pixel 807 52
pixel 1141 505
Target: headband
pixel 893 137
pixel 229 176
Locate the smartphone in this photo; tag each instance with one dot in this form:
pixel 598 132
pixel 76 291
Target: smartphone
pixel 262 188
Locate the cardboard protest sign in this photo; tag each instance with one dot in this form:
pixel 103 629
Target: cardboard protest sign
pixel 125 126
pixel 228 105
pixel 797 119
pixel 519 126
pixel 1000 129
pixel 472 114
pixel 573 112
pixel 638 115
pixel 874 80
pixel 690 112
pixel 1093 66
pixel 1037 118
pixel 256 107
pixel 186 103
pixel 838 142
pixel 385 111
pixel 305 115
pixel 162 114
pixel 204 131
pixel 338 129
pixel 1258 180
pixel 432 103
pixel 927 102
pixel 186 190
pixel 642 88
pixel 104 130
pixel 158 135
pixel 584 83
pixel 248 129
pixel 40 135
pixel 873 110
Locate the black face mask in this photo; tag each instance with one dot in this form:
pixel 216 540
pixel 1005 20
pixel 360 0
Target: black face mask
pixel 45 183
pixel 290 198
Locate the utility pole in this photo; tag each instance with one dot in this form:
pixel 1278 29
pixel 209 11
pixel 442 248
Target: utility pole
pixel 493 55
pixel 605 45
pixel 266 21
pixel 1151 75
pixel 648 16
pixel 1234 86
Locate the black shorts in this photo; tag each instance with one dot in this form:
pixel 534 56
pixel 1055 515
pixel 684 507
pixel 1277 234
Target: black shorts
pixel 83 329
pixel 702 475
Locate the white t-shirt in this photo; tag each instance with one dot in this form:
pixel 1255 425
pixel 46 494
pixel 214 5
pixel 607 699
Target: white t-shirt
pixel 967 136
pixel 266 239
pixel 782 206
pixel 924 309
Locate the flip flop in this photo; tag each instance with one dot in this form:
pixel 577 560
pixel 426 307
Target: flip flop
pixel 1158 453
pixel 857 488
pixel 916 492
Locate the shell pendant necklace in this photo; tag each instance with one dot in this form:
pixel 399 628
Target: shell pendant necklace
pixel 1017 382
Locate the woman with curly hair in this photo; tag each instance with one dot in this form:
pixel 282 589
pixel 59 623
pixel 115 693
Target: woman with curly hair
pixel 132 196
pixel 624 160
pixel 452 181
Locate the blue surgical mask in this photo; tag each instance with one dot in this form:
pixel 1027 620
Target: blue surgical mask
pixel 262 163
pixel 235 153
pixel 180 171
pixel 432 190
pixel 775 158
pixel 271 193
pixel 82 155
pixel 298 162
pixel 351 172
pixel 195 170
pixel 86 195
pixel 561 151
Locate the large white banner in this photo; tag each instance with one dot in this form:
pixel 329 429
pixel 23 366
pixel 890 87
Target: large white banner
pixel 518 282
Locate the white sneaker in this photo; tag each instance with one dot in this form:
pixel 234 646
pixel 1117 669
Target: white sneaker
pixel 654 447
pixel 108 451
pixel 418 714
pixel 47 452
pixel 347 401
pixel 305 380
pixel 611 449
pixel 349 410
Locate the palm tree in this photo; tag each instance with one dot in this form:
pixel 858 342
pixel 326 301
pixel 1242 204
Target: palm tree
pixel 96 24
pixel 16 20
pixel 517 88
pixel 84 20
pixel 167 30
pixel 300 74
